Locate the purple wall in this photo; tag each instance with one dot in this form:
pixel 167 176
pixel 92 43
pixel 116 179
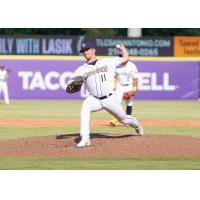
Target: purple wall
pixel 168 80
pixel 45 79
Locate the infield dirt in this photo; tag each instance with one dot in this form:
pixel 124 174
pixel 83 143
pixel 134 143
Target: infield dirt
pixel 103 145
pixel 149 123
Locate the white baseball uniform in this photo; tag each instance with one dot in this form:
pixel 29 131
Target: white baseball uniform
pixel 3 85
pixel 100 84
pixel 125 76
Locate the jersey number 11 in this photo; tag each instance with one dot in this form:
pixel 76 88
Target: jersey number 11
pixel 103 77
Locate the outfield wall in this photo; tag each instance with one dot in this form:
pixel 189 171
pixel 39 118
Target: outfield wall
pixel 46 77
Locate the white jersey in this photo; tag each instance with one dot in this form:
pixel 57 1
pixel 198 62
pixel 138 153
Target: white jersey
pixel 3 85
pixel 126 74
pixel 3 75
pixel 99 76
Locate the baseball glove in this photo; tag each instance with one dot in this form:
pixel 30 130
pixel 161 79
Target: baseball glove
pixel 74 85
pixel 128 95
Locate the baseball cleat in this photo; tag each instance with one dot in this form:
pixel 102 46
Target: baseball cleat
pixel 139 129
pixel 113 122
pixel 84 142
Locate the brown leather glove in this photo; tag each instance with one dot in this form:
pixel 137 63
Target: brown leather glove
pixel 128 95
pixel 75 85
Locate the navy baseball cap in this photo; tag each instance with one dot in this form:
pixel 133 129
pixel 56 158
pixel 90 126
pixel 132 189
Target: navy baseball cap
pixel 86 45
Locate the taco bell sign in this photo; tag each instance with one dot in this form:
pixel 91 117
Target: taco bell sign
pixel 46 79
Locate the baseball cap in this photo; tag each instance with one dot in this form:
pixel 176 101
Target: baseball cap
pixel 86 45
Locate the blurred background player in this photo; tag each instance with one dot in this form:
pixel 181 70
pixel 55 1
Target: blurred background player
pixel 3 83
pixel 126 85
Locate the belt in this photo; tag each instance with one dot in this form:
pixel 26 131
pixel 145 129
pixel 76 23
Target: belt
pixel 103 97
pixel 125 84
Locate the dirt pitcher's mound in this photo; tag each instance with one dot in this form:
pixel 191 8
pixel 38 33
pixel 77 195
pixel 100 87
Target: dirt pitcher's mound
pixel 103 145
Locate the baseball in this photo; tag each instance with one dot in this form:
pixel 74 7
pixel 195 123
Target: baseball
pixel 118 46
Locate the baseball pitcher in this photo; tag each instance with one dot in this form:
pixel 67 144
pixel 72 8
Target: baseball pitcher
pixel 98 77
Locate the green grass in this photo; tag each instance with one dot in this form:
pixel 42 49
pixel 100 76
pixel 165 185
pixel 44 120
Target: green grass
pixel 168 109
pixel 41 109
pixel 64 109
pixel 59 109
pixel 101 163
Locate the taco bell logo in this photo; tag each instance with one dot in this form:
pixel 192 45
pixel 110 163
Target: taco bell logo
pixel 37 81
pixel 149 82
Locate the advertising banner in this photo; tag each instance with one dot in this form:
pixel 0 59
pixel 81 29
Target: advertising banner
pixel 70 45
pixel 168 80
pixel 187 46
pixel 46 79
pixel 144 46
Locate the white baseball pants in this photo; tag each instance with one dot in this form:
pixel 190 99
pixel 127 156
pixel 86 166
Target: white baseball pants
pixel 120 90
pixel 111 104
pixel 4 89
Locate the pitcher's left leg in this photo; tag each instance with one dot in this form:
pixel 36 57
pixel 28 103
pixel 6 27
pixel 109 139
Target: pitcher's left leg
pixel 119 93
pixel 113 106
